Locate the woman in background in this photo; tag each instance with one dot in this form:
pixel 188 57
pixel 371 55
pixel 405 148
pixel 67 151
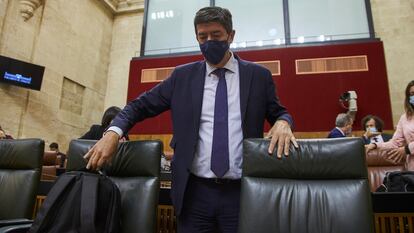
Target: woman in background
pixel 401 146
pixel 96 131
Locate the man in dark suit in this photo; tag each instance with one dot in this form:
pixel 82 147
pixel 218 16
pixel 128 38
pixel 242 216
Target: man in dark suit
pixel 373 126
pixel 343 123
pixel 215 104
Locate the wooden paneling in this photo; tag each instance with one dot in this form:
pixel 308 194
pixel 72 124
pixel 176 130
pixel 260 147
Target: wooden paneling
pixel 162 73
pixel 166 220
pixel 273 66
pixel 394 222
pixel 38 204
pixel 332 65
pixel 156 74
pixel 165 138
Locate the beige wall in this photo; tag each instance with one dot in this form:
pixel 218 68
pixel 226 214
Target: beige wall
pixel 126 43
pixel 394 25
pixel 3 10
pixel 71 39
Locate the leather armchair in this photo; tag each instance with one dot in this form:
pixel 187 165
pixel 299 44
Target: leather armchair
pixel 378 166
pixel 49 165
pixel 20 169
pixel 322 187
pixel 136 170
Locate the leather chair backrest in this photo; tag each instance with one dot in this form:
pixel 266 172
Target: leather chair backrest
pixel 49 158
pixel 20 167
pixel 49 165
pixel 378 166
pixel 322 187
pixel 136 170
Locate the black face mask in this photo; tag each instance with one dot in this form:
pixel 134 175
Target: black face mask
pixel 214 50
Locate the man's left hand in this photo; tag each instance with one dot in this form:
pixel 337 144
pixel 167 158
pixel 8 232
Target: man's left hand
pixel 281 134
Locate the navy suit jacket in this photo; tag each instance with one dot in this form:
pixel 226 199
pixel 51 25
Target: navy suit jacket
pixel 336 133
pixel 385 137
pixel 182 92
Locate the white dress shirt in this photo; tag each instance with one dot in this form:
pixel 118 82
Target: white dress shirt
pixel 202 158
pixel 377 139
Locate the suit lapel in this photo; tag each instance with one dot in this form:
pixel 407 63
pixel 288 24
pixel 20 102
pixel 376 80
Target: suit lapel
pixel 197 91
pixel 245 79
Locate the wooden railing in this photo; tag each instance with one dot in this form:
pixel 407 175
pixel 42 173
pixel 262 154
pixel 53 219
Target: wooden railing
pixel 166 138
pixel 384 222
pixel 394 222
pixel 166 221
pixel 38 203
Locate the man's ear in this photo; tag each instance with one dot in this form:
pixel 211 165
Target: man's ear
pixel 231 36
pixel 197 38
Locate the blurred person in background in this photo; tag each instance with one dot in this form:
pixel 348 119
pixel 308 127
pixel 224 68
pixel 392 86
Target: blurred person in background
pixel 96 131
pixel 55 147
pixel 3 134
pixel 401 146
pixel 343 126
pixel 373 126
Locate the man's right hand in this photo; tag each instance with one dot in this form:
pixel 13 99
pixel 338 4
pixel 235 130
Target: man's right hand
pixel 369 134
pixel 102 152
pixel 370 147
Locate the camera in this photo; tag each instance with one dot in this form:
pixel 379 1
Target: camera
pixel 348 100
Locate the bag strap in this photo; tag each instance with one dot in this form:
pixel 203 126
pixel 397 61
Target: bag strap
pixel 53 195
pixel 89 198
pixel 115 205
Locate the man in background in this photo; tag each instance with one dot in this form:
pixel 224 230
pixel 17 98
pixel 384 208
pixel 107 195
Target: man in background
pixel 343 126
pixel 373 126
pixel 55 147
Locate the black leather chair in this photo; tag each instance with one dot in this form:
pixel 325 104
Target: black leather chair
pixel 136 170
pixel 20 169
pixel 322 187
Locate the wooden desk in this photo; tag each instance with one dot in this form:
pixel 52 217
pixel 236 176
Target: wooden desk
pixel 394 212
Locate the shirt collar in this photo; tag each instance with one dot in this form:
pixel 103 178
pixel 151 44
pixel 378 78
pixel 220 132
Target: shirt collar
pixel 231 65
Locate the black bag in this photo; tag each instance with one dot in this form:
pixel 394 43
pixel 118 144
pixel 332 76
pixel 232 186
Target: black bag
pixel 398 181
pixel 80 202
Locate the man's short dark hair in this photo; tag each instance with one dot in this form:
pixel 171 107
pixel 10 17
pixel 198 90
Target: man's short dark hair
pixel 214 14
pixel 54 145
